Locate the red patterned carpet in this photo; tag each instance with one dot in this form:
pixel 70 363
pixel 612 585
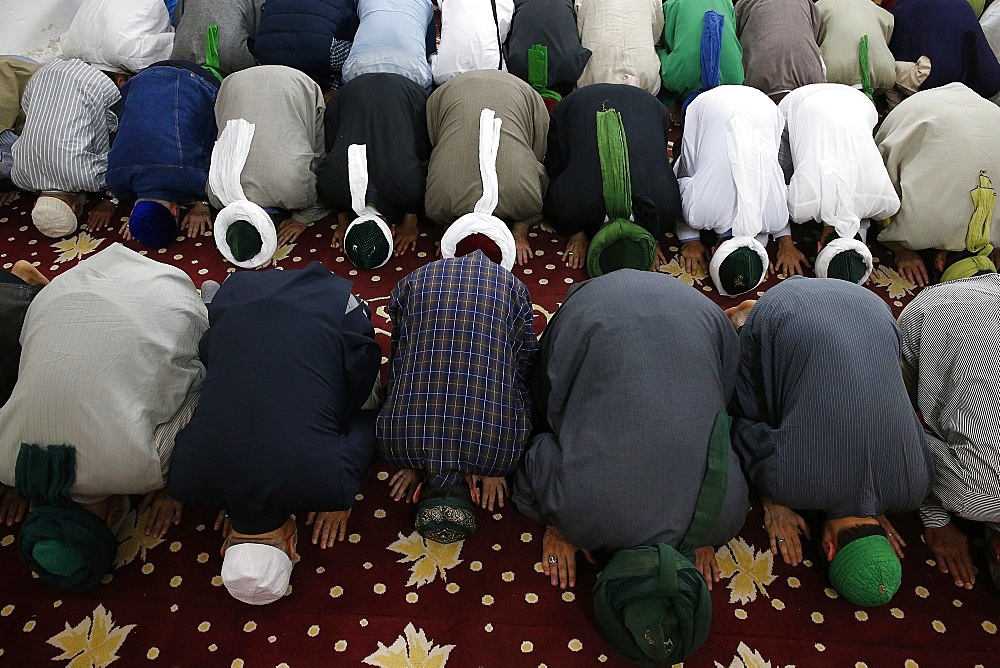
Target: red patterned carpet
pixel 384 598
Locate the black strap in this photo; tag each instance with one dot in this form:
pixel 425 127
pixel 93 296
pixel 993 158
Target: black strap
pixel 496 22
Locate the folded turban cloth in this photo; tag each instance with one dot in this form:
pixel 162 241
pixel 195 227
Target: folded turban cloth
pixel 445 520
pixel 53 217
pixel 255 573
pixel 152 224
pixel 846 259
pixel 652 605
pixel 480 242
pixel 866 571
pixel 538 73
pixel 228 159
pixel 368 240
pixel 977 239
pixel 481 220
pixel 620 243
pixel 738 266
pixel 68 546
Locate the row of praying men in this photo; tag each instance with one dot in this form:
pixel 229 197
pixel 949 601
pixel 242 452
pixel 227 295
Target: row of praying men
pixel 633 430
pixel 381 154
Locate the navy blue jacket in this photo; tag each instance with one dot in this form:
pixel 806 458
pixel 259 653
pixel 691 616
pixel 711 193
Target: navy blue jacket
pixel 299 33
pixel 166 134
pixel 279 427
pixel 947 32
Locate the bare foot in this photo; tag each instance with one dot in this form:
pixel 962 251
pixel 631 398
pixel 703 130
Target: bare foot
pixel 790 261
pixel 340 230
pixel 911 266
pixel 738 314
pixel 823 236
pixel 29 274
pixel 521 245
pixel 951 551
pixel 405 235
pixel 576 251
pixel 694 257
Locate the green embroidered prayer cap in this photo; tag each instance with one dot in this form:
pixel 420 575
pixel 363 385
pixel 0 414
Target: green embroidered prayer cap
pixel 244 240
pixel 368 242
pixel 866 571
pixel 445 520
pixel 848 265
pixel 740 271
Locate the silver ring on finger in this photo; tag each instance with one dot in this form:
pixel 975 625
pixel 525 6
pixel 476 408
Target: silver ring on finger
pixel 553 559
pixel 781 540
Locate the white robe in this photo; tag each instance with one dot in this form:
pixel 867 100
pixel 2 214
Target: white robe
pixel 711 186
pixel 120 35
pixel 839 178
pixel 469 37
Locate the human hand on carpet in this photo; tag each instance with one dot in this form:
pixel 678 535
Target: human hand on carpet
pixel 290 230
pixel 404 236
pixel 783 526
pixel 494 490
pixel 790 261
pixel 559 558
pixel 575 255
pixel 339 231
pixel 165 510
pixel 100 216
pixel 405 483
pixel 125 232
pixel 9 196
pixel 222 522
pixel 328 527
pixel 895 539
pixel 704 560
pixel 693 258
pixel 950 547
pixel 522 247
pixel 911 267
pixel 660 260
pixel 198 221
pixel 12 506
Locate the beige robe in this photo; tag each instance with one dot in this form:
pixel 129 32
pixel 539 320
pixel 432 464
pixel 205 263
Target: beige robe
pixel 621 35
pixel 843 23
pixel 934 145
pixel 454 184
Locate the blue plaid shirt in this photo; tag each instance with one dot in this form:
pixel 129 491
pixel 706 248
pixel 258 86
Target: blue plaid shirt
pixel 458 399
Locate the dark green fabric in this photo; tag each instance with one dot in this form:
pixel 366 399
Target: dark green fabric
pixel 244 240
pixel 366 246
pixel 713 486
pixel 741 271
pixel 445 520
pixel 652 605
pixel 639 253
pixel 847 265
pixel 538 72
pixel 69 547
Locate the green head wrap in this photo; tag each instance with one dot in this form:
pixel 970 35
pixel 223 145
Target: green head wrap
pixel 652 605
pixel 538 72
pixel 620 243
pixel 244 240
pixel 366 245
pixel 866 571
pixel 848 265
pixel 445 520
pixel 977 239
pixel 69 547
pixel 740 271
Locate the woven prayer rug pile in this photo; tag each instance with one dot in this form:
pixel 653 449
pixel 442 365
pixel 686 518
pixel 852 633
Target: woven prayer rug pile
pixel 385 598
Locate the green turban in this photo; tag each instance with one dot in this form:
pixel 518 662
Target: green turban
pixel 618 245
pixel 538 72
pixel 445 520
pixel 244 240
pixel 368 243
pixel 977 239
pixel 740 271
pixel 866 571
pixel 652 605
pixel 848 265
pixel 69 547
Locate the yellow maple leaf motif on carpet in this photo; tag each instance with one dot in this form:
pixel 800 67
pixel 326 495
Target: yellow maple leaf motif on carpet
pixel 674 269
pixel 92 643
pixel 747 569
pixel 544 313
pixel 75 247
pixel 895 285
pixel 133 539
pixel 280 253
pixel 747 658
pixel 412 650
pixel 429 557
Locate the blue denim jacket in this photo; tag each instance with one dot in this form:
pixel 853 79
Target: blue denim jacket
pixel 166 134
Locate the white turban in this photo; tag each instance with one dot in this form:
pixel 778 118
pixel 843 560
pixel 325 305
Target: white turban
pixel 840 245
pixel 357 172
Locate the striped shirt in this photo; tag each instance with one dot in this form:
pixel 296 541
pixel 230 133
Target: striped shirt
pixel 458 400
pixel 822 420
pixel 66 138
pixel 950 336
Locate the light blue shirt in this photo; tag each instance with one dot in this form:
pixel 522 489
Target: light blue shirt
pixel 392 38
